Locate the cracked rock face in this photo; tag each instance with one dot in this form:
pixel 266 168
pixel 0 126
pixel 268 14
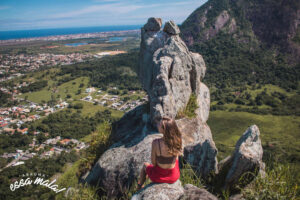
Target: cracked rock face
pixel 169 72
pixel 199 148
pixel 247 156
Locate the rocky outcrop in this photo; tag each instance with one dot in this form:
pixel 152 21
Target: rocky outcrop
pixel 160 191
pixel 247 156
pixel 169 72
pixel 192 192
pixel 120 165
pixel 118 168
pixel 246 161
pixel 220 22
pixel 153 24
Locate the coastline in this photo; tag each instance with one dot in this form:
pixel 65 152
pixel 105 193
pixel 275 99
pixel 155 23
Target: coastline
pixel 69 36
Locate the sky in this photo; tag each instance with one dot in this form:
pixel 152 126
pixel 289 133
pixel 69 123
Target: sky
pixel 41 14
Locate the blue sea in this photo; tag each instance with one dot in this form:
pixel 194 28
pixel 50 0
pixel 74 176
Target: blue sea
pixel 5 35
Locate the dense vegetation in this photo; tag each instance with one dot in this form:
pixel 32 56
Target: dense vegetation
pixel 232 64
pixel 9 143
pixel 68 124
pixel 34 86
pixel 117 72
pixel 241 63
pixel 4 98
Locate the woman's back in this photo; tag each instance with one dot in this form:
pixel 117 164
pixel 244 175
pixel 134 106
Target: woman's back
pixel 164 159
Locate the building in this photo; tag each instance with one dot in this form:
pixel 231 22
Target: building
pixel 91 89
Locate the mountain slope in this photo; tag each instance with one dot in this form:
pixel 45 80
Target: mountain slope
pixel 248 44
pixel 268 21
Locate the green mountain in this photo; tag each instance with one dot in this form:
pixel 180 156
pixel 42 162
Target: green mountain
pixel 248 45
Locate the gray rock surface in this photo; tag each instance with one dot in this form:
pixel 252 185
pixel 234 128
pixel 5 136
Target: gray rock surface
pixel 119 166
pixel 237 197
pixel 153 24
pixel 192 192
pixel 171 28
pixel 169 72
pixel 247 156
pixel 203 101
pixel 199 148
pixel 160 191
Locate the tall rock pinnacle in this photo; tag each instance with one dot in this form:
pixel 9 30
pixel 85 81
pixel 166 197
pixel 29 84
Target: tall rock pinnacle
pixel 169 72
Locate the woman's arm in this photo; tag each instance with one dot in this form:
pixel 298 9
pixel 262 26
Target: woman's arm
pixel 153 155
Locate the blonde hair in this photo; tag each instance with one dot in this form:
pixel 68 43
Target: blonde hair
pixel 172 136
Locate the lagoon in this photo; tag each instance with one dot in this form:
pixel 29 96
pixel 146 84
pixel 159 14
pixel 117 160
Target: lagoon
pixel 76 44
pixel 116 39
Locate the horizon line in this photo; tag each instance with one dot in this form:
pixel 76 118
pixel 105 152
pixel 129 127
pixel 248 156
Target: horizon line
pixel 70 27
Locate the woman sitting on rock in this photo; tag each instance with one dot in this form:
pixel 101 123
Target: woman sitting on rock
pixel 164 155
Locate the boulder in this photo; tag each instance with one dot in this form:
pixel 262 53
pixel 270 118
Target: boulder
pixel 153 24
pixel 192 192
pixel 247 158
pixel 171 28
pixel 160 191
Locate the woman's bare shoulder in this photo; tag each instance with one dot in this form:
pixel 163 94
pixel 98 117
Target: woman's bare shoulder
pixel 157 140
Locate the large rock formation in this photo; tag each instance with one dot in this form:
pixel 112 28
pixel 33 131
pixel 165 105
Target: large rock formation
pixel 169 72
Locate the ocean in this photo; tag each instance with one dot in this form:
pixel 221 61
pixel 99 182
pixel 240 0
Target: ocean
pixel 6 35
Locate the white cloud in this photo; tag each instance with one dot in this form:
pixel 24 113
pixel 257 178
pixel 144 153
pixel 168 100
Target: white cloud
pixel 115 8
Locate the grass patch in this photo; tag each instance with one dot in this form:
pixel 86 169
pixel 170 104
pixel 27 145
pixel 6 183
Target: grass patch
pixel 278 133
pixel 60 92
pixel 89 109
pixel 188 176
pixel 279 183
pixel 189 110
